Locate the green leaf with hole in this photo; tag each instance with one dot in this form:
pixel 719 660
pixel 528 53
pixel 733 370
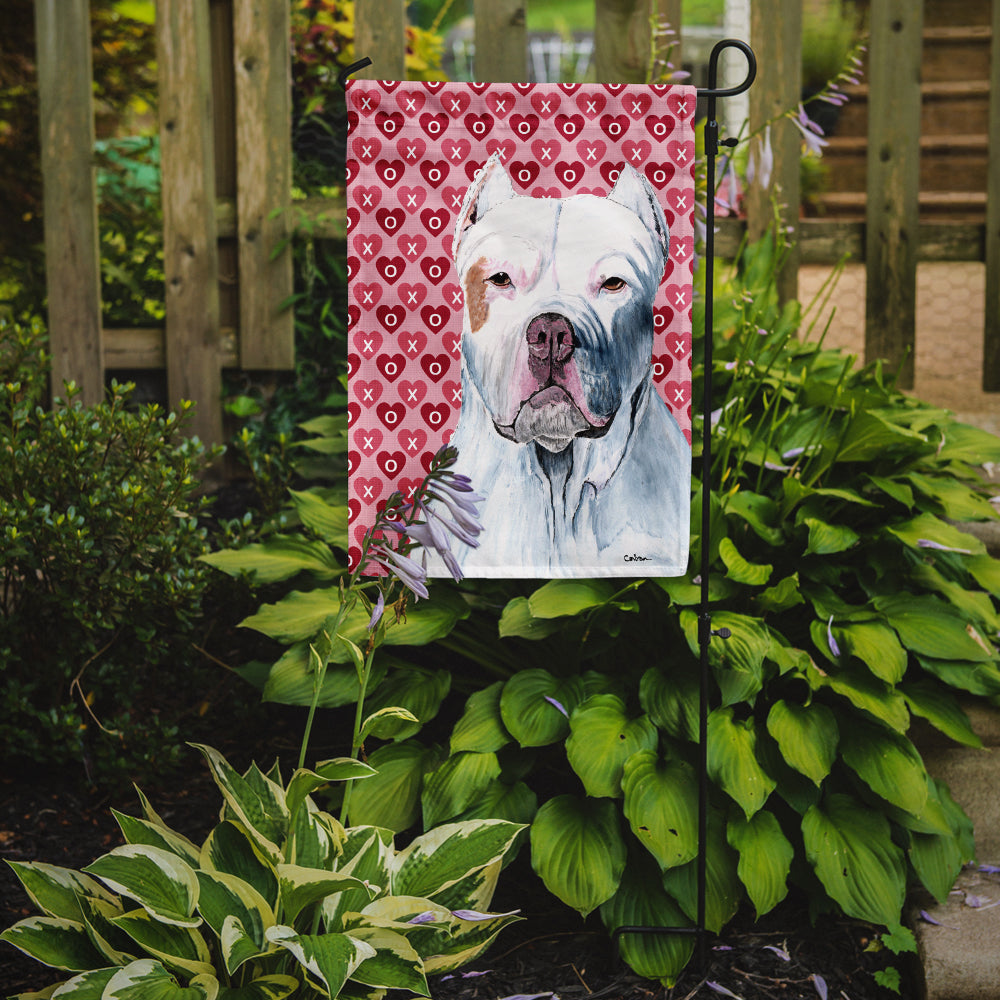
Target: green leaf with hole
pixel 765 858
pixel 807 736
pixel 732 760
pixel 602 738
pixel 578 851
pixel 850 847
pixel 661 806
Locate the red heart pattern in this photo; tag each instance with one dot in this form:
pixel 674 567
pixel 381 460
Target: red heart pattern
pixel 412 150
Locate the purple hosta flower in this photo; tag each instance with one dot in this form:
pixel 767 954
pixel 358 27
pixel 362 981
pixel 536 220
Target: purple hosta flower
pixel 812 134
pixel 427 917
pixel 475 915
pixel 558 705
pixel 728 201
pixel 760 165
pixel 820 983
pixel 377 612
pixel 719 988
pixel 927 543
pixel 834 648
pixel 411 574
pixel 990 869
pixel 927 918
pixel 780 952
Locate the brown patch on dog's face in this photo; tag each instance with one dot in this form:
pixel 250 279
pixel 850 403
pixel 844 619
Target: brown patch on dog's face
pixel 475 295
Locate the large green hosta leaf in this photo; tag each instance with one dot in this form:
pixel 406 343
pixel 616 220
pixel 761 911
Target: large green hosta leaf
pixel 558 598
pixel 888 763
pixel 601 740
pixel 670 698
pixel 535 706
pixel 391 798
pixel 807 736
pixel 941 709
pixel 578 851
pixel 418 690
pixel 926 528
pixel 850 848
pixel 642 902
pixel 732 760
pixel 765 858
pixel 876 646
pixel 932 628
pixel 278 558
pixel 481 727
pixel 738 661
pixel 661 806
pixel 456 784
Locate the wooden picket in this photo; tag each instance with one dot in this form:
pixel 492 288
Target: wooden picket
pixel 226 160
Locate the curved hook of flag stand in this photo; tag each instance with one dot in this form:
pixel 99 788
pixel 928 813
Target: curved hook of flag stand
pixel 705 631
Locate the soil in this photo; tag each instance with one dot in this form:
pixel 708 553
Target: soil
pixel 551 952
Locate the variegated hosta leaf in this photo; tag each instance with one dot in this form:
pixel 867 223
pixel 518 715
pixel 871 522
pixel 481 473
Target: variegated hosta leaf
pixel 481 727
pixel 274 987
pixel 141 831
pixel 56 891
pixel 807 736
pixel 230 849
pixel 723 889
pixel 87 986
pixel 395 964
pixel 642 902
pixel 732 760
pixel 329 959
pixel 456 784
pixel 304 782
pixel 475 891
pixel 850 847
pixel 466 941
pixel 116 946
pixel 765 858
pixel 177 947
pixel 441 857
pixel 256 801
pixel 578 851
pixel 661 800
pixel 602 737
pixel 225 897
pixel 315 838
pixel 300 887
pixel 535 706
pixel 367 854
pixel 158 880
pixel 149 980
pixel 54 941
pixel 515 803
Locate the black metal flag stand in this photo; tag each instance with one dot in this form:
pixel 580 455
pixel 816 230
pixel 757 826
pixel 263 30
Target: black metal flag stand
pixel 705 631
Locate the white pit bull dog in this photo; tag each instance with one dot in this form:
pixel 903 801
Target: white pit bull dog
pixel 584 470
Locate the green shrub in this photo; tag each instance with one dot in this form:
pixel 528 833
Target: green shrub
pixel 280 899
pixel 99 541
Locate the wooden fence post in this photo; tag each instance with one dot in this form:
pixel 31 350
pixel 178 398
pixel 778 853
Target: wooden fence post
pixel 72 255
pixel 190 251
pixel 621 40
pixel 776 34
pixel 380 34
pixel 501 41
pixel 991 332
pixel 893 183
pixel 262 61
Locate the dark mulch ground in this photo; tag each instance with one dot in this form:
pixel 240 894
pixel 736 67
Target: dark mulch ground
pixel 551 951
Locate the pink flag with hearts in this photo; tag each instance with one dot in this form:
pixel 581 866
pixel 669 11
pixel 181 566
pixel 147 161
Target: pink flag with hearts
pixel 520 262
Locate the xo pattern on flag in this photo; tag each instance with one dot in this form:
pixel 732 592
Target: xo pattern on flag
pixel 414 150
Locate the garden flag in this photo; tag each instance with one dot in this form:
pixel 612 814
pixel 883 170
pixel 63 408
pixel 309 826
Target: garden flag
pixel 520 263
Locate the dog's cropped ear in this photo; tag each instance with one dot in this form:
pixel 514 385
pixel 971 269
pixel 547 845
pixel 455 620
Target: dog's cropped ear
pixel 633 192
pixel 490 187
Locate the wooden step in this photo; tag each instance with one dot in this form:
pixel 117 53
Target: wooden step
pixel 947 163
pixel 957 206
pixel 945 104
pixel 956 53
pixel 940 13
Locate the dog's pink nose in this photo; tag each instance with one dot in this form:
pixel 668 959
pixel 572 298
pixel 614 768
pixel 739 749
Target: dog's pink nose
pixel 550 338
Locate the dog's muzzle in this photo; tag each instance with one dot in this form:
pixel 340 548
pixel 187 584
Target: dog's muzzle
pixel 550 416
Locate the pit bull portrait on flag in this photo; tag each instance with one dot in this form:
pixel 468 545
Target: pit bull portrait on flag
pixel 520 266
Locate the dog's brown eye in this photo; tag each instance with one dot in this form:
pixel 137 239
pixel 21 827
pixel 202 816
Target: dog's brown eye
pixel 501 279
pixel 613 284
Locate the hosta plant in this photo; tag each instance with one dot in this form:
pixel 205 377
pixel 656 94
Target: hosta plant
pixel 279 900
pixel 855 604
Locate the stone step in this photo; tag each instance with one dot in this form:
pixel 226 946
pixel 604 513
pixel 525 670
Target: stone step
pixel 944 103
pixel 952 206
pixel 947 163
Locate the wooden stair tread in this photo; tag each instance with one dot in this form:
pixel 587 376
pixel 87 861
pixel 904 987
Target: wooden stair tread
pixel 934 89
pixel 958 33
pixel 847 145
pixel 930 199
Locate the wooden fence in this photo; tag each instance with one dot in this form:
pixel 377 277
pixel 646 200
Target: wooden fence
pixel 226 160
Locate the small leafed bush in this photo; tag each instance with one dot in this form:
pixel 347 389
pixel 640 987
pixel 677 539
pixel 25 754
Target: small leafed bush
pixel 280 899
pixel 99 574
